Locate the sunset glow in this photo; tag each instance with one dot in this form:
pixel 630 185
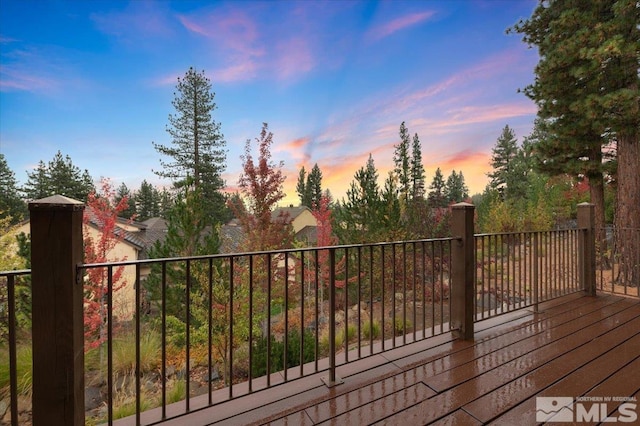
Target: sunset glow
pixel 334 80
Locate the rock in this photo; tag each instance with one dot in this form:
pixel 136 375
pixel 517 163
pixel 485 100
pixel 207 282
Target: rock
pixel 92 398
pixel 150 386
pixel 4 406
pixel 214 375
pixel 487 301
pixel 171 370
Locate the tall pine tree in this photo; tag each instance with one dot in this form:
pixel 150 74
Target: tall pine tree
pixel 503 160
pixel 402 162
pixel 197 149
pixel 436 195
pixel 455 189
pixel 417 169
pixel 587 86
pixel 309 187
pixel 123 192
pixel 357 218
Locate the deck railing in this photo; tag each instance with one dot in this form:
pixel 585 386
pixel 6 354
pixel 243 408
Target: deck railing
pixel 262 319
pixel 521 269
pixel 257 320
pixel 614 271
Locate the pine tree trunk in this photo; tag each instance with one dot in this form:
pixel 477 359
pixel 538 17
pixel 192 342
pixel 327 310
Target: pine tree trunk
pixel 627 220
pixel 596 192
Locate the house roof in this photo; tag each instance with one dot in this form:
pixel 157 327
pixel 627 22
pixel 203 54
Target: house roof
pixel 131 237
pixel 292 211
pixel 156 230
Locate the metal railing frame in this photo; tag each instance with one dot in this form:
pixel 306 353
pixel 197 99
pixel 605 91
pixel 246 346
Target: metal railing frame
pixel 66 213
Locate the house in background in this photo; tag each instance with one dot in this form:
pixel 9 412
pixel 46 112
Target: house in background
pixel 303 222
pixel 137 238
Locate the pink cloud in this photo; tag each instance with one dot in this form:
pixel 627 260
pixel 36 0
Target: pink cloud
pixel 241 71
pixel 234 31
pixel 462 87
pixel 294 57
pixel 297 149
pixel 235 36
pixel 192 26
pixel 296 144
pixel 398 24
pixel 19 81
pixel 484 113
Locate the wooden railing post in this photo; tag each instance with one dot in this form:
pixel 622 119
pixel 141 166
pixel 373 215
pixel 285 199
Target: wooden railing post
pixel 587 247
pixel 58 332
pixel 462 270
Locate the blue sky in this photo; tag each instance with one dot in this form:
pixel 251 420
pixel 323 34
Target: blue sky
pixel 334 80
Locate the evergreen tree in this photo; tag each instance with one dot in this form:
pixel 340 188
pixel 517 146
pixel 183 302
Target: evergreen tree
pixel 314 186
pixel 309 187
pixel 11 205
pixel 417 169
pixel 189 234
pixel 455 189
pixel 503 160
pixel 166 203
pixel 37 185
pixel 586 86
pixel 301 188
pixel 121 193
pixel 357 218
pixel 197 145
pixel 436 195
pixel 59 176
pixel 390 215
pixel 147 201
pixel 402 162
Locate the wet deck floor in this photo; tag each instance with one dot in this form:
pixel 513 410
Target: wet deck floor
pixel 575 346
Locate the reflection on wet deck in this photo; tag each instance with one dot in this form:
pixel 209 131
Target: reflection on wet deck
pixel 574 346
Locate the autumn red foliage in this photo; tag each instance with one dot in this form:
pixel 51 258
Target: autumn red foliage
pixel 101 213
pixel 261 186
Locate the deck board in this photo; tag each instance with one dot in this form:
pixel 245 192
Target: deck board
pixel 573 346
pixel 579 381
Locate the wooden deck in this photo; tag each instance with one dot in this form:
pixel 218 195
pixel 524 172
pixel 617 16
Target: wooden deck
pixel 574 346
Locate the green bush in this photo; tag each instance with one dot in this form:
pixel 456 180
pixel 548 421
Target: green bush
pixel 401 327
pixel 177 391
pixel 259 353
pixel 369 330
pixel 351 333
